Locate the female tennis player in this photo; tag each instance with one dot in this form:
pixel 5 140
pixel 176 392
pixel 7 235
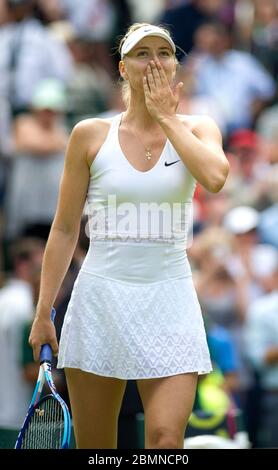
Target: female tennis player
pixel 133 312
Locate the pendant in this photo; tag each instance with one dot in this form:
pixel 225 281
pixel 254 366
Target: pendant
pixel 148 154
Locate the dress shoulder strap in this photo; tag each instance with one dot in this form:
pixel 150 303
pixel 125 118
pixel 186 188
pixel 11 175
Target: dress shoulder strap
pixel 115 121
pixel 106 150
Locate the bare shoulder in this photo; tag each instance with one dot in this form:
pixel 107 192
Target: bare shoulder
pixel 89 135
pixel 92 124
pixel 91 128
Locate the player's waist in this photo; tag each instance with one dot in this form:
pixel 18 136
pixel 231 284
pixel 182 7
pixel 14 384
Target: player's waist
pixel 137 262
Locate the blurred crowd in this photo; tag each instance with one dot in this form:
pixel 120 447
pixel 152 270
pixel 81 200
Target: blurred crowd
pixel 58 65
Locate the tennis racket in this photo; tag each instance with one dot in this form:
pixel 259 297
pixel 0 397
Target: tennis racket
pixel 47 424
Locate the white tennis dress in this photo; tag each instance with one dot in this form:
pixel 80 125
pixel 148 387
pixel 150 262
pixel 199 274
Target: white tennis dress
pixel 134 312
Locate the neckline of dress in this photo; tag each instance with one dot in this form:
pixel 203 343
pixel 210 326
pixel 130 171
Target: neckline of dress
pixel 127 160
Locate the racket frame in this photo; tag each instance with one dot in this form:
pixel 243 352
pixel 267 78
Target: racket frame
pixel 45 375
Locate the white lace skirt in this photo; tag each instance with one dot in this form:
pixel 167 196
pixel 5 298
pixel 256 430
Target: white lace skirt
pixel 130 329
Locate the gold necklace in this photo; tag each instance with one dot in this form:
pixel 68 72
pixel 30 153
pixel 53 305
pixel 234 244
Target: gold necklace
pixel 148 153
pixel 148 150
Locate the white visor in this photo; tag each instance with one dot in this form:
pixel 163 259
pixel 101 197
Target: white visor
pixel 141 33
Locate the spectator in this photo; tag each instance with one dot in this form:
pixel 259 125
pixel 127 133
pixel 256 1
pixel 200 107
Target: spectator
pixel 146 11
pixel 40 141
pixel 183 20
pixel 17 299
pixel 257 27
pixel 97 20
pixel 90 85
pixel 268 225
pixel 193 103
pixel 235 79
pixel 248 183
pixel 262 350
pixel 22 63
pixel 244 262
pixel 224 355
pixel 267 127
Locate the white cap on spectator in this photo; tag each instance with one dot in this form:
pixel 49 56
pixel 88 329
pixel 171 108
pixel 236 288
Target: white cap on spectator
pixel 241 220
pixel 50 94
pixel 140 33
pixel 264 260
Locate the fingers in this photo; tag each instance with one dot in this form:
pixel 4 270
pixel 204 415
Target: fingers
pixel 35 347
pixel 177 90
pixel 159 96
pixel 155 73
pixel 36 352
pixel 161 73
pixel 38 337
pixel 54 347
pixel 146 86
pixel 156 76
pixel 150 78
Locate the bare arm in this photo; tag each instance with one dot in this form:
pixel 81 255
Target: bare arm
pixel 31 138
pixel 63 236
pixel 200 150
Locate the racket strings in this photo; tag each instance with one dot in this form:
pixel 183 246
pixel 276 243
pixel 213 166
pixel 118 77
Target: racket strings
pixel 46 427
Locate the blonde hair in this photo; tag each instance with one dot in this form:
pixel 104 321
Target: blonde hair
pixel 131 29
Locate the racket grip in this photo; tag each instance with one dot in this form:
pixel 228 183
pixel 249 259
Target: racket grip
pixel 46 351
pixel 53 314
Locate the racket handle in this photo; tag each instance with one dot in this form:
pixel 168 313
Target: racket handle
pixel 46 351
pixel 53 314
